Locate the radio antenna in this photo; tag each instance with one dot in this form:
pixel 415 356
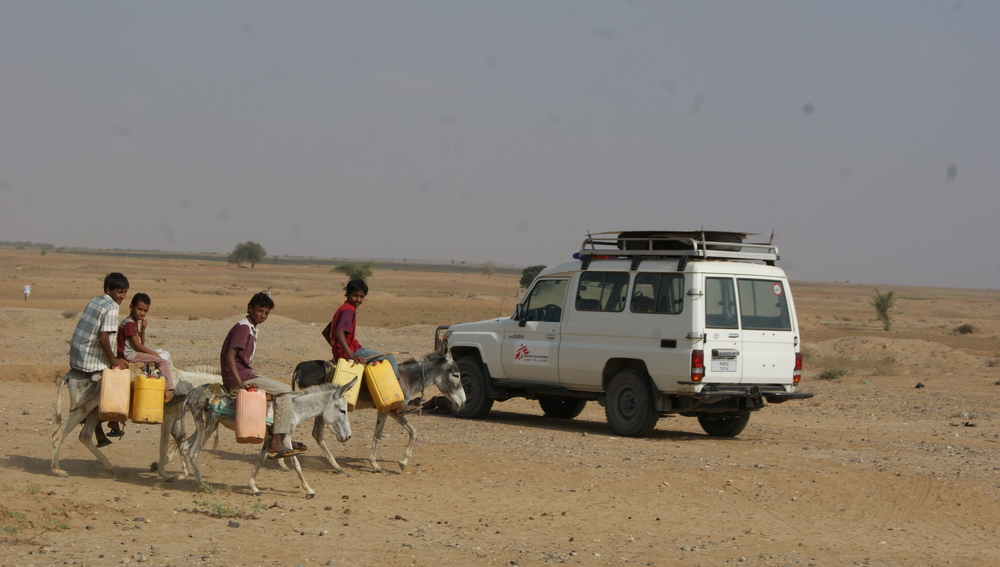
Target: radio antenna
pixel 503 295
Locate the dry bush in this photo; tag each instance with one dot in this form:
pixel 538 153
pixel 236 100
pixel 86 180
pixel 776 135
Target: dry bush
pixel 69 314
pixel 965 329
pixel 832 373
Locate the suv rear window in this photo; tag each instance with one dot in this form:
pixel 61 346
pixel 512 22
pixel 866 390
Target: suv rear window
pixel 720 303
pixel 602 291
pixel 658 293
pixel 764 305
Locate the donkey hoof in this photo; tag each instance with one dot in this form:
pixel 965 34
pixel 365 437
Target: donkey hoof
pixel 256 493
pixel 310 496
pixel 402 466
pixel 62 474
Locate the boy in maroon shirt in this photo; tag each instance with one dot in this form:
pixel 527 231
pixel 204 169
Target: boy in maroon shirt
pixel 235 359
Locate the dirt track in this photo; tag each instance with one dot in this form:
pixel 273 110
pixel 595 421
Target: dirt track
pixel 872 471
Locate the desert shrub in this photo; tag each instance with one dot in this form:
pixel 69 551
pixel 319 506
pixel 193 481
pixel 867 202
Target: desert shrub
pixel 68 314
pixel 831 373
pixel 489 268
pixel 965 329
pixel 529 274
pixel 356 271
pixel 993 362
pixel 248 251
pixel 885 367
pixel 883 302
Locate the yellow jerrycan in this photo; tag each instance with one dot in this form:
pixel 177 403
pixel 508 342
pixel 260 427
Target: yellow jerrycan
pixel 383 386
pixel 147 399
pixel 345 371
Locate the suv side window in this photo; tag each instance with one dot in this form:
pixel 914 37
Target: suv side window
pixel 602 291
pixel 720 303
pixel 545 301
pixel 658 293
pixel 763 305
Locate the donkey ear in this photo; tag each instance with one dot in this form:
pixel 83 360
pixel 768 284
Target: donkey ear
pixel 341 390
pixel 443 351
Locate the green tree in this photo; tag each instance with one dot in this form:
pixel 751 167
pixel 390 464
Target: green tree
pixel 883 302
pixel 529 274
pixel 489 268
pixel 356 271
pixel 247 252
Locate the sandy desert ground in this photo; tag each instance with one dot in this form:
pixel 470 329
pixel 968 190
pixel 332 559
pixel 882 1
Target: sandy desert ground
pixel 872 471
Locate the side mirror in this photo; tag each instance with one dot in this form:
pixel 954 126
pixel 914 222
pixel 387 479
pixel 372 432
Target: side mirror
pixel 520 315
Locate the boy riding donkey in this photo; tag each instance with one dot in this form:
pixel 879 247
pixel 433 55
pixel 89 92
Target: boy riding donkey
pixel 237 374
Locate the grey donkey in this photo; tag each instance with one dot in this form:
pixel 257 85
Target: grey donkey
pixel 83 402
pixel 324 402
pixel 415 376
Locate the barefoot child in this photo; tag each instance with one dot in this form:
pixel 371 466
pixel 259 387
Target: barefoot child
pixel 132 342
pixel 237 374
pixel 90 348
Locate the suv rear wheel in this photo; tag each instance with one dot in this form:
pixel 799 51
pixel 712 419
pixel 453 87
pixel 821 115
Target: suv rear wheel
pixel 722 425
pixel 562 408
pixel 477 403
pixel 629 405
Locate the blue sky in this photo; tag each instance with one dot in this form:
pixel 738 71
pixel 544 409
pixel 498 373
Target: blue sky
pixel 864 133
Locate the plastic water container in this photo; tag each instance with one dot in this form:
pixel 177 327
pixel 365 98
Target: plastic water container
pixel 115 386
pixel 147 399
pixel 346 371
pixel 251 415
pixel 383 386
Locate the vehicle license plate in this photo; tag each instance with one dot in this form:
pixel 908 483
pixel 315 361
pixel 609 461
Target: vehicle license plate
pixel 725 365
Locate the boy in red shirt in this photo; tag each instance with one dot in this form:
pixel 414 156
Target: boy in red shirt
pixel 342 339
pixel 132 339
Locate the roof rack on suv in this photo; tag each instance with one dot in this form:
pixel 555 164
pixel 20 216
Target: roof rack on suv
pixel 639 245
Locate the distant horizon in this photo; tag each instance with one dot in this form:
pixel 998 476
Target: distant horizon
pixel 416 262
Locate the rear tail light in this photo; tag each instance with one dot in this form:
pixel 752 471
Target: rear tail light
pixel 797 373
pixel 697 365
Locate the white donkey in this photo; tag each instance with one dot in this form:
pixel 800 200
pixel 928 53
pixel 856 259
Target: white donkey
pixel 325 402
pixel 83 398
pixel 414 377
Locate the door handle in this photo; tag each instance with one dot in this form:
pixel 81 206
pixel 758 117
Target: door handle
pixel 550 337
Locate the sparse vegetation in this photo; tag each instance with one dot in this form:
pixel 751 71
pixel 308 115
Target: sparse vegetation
pixel 883 303
pixel 356 271
pixel 15 525
pixel 832 373
pixel 529 274
pixel 965 329
pixel 69 314
pixel 247 252
pixel 225 510
pixel 489 268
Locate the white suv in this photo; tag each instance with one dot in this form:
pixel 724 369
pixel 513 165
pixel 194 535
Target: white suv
pixel 648 324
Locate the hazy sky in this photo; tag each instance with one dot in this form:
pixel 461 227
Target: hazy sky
pixel 862 132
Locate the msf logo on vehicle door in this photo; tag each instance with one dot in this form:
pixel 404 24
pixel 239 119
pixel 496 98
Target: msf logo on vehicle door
pixel 535 354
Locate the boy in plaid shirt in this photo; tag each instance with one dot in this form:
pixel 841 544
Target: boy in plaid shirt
pixel 90 349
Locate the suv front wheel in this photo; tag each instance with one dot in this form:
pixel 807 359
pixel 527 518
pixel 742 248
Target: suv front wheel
pixel 477 402
pixel 629 405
